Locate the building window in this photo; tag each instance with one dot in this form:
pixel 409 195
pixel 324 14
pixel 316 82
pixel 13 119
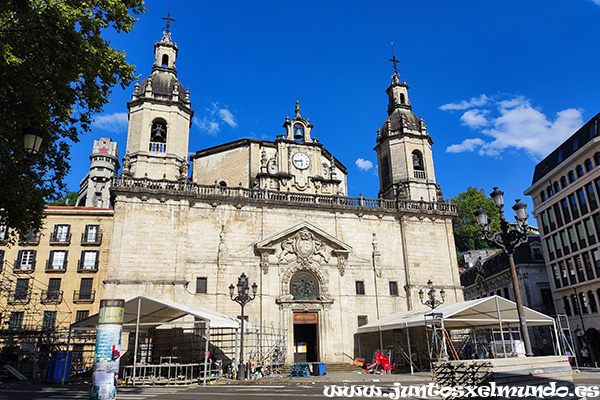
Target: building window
pixel 536 253
pixel 158 136
pixel 589 271
pixel 49 320
pixel 3 233
pixel 591 196
pixel 566 306
pixel 550 191
pixel 592 300
pixel 15 321
pixel 588 165
pixel 564 205
pixel 61 234
pixel 26 260
pixel 559 220
pixel 53 293
pixel 563 182
pixel 417 159
pixel 506 294
pixel 81 315
pixel 560 156
pixel 362 320
pixel 86 288
pixel 574 209
pixel 575 302
pixel 393 288
pixel 201 285
pixel 571 176
pixel 556 187
pixel 543 195
pixel 22 289
pixel 597 159
pixel 360 287
pixel 575 144
pixel 579 171
pixel 556 274
pixel 89 260
pixel 57 260
pixel 589 228
pixel 582 201
pixel 1 259
pixel 91 233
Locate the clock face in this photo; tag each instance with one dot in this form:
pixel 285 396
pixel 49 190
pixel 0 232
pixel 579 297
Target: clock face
pixel 301 160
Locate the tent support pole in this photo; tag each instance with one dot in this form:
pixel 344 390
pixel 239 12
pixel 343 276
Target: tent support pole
pixel 137 332
pixel 206 324
pixel 501 329
pixel 380 340
pixel 412 370
pixel 555 342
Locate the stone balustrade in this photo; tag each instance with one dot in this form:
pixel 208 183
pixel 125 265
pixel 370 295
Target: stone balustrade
pixel 242 195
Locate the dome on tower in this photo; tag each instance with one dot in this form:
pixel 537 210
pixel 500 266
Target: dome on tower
pixel 163 85
pixel 399 120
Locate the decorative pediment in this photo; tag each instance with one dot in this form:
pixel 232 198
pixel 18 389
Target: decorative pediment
pixel 303 243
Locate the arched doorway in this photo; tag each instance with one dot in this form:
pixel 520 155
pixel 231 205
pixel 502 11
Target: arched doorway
pixel 304 286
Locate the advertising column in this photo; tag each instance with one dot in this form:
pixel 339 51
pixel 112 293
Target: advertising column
pixel 108 349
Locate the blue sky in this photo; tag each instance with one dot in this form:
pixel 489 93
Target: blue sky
pixel 499 84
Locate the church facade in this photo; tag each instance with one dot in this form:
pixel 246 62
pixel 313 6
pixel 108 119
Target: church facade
pixel 278 211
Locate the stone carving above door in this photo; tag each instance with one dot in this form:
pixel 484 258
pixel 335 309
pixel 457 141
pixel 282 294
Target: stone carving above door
pixel 302 244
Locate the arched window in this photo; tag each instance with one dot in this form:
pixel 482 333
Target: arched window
pixel 165 60
pixel 592 300
pixel 597 159
pixel 579 171
pixel 550 191
pixel 158 133
pixel 583 303
pixel 417 158
pixel 556 187
pixel 571 177
pixel 304 285
pixel 402 98
pixel 575 303
pixel 223 184
pixel 588 165
pixel 385 171
pixel 566 306
pixel 543 195
pixel 563 182
pixel 158 136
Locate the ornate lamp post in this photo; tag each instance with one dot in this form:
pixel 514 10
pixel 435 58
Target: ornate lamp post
pixel 509 239
pixel 243 297
pixel 432 301
pixel 32 140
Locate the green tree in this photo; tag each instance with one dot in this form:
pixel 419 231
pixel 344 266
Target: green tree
pixel 467 234
pixel 69 200
pixel 57 72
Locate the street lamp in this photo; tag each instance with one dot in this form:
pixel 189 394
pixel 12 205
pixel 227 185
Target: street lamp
pixel 509 239
pixel 432 301
pixel 243 297
pixel 32 140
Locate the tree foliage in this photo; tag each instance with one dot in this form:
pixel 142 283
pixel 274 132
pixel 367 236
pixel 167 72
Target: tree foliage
pixel 57 72
pixel 69 200
pixel 467 234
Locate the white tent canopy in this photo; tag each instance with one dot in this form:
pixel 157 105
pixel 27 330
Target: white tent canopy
pixel 479 313
pixel 153 313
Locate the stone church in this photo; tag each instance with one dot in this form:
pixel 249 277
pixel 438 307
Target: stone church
pixel 279 212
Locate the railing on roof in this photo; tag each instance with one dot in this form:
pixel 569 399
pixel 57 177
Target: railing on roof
pixel 216 192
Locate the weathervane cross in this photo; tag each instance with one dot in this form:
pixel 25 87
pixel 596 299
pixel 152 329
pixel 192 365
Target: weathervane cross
pixel 168 18
pixel 394 60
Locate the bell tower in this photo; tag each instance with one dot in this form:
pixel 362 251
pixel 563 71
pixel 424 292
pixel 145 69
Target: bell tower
pixel 160 118
pixel 404 149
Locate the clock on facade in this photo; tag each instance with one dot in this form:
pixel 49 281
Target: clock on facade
pixel 301 160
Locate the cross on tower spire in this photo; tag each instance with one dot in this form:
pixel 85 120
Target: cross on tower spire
pixel 168 18
pixel 394 60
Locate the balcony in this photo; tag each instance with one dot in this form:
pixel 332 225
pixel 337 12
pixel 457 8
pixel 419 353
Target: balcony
pixel 51 296
pixel 83 267
pixel 88 296
pixel 32 239
pixel 21 268
pixel 420 175
pixel 91 240
pixel 60 240
pixel 50 268
pixel 19 297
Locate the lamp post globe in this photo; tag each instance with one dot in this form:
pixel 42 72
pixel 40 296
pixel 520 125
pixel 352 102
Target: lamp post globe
pixel 243 297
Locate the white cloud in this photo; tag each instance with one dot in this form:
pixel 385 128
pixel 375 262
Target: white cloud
pixel 513 123
pixel 463 105
pixel 466 145
pixel 213 119
pixel 597 2
pixel 116 122
pixel 364 165
pixel 227 117
pixel 474 118
pixel 206 125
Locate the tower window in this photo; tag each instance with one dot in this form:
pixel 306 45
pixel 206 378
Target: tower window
pixel 402 98
pixel 165 60
pixel 418 161
pixel 298 132
pixel 158 136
